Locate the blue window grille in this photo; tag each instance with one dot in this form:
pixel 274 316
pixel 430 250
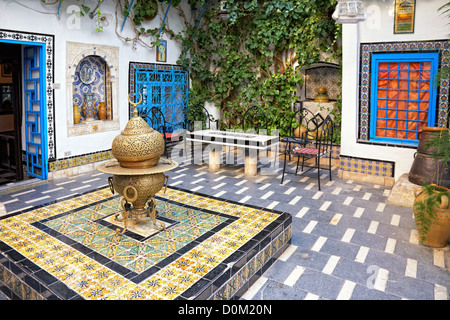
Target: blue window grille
pixel 163 86
pixel 403 96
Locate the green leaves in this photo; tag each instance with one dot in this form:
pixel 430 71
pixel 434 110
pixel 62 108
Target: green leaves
pixel 249 57
pixel 425 208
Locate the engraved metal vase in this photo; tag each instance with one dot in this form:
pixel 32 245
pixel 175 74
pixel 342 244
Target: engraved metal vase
pixel 138 172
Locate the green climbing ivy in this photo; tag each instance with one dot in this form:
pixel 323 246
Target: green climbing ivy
pixel 252 55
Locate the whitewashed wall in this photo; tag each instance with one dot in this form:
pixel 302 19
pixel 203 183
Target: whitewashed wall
pixel 378 27
pixel 34 17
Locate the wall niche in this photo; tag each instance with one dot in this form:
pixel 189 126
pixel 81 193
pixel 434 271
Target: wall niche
pixel 92 87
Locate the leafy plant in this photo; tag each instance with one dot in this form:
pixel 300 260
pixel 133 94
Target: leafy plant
pixel 440 142
pixel 144 10
pixel 252 55
pixel 425 210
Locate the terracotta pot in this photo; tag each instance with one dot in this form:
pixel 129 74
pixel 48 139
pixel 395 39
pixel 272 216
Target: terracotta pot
pixel 321 95
pixel 439 231
pixel 102 110
pixel 425 135
pixel 425 170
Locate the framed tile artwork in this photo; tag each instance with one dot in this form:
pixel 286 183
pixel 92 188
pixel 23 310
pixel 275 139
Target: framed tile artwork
pixel 404 16
pixel 161 51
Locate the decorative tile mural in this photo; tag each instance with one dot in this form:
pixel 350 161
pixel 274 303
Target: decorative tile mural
pixel 322 76
pixel 367 166
pixel 96 85
pixel 443 47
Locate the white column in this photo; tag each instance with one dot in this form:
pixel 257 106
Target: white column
pixel 350 79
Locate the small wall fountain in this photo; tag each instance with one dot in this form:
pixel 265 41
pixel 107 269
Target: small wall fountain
pixel 138 171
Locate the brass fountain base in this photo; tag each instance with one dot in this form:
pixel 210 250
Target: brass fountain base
pixel 138 187
pixel 135 215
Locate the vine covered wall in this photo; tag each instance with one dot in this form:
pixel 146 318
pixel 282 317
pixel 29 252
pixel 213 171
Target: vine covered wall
pixel 251 53
pixel 239 53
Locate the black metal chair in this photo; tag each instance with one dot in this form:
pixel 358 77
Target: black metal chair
pixel 199 113
pixel 254 118
pixel 170 132
pixel 315 141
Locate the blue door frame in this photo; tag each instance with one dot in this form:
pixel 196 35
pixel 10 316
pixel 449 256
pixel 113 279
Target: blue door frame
pixel 35 111
pixel 34 107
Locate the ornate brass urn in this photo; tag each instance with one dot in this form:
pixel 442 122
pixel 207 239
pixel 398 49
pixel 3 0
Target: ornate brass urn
pixel 138 172
pixel 138 146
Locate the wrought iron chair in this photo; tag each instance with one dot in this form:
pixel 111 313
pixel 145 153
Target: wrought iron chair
pixel 314 142
pixel 199 113
pixel 170 132
pixel 254 118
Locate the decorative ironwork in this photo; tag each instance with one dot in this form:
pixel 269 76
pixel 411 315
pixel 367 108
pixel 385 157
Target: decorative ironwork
pixel 163 86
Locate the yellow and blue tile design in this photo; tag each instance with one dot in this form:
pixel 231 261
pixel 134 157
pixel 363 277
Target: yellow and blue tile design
pixel 372 167
pixel 211 249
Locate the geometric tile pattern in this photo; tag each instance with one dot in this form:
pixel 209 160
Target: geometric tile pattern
pixel 84 257
pixel 372 167
pixel 79 160
pixel 346 241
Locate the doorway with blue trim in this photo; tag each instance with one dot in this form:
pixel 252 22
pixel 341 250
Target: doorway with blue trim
pixel 23 121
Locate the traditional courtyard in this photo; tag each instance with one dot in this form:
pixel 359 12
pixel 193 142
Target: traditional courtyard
pixel 228 236
pixel 234 151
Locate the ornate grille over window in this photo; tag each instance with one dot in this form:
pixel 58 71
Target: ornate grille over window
pixel 403 96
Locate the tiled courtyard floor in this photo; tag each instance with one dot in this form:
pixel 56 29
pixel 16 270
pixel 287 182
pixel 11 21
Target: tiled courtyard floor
pixel 347 242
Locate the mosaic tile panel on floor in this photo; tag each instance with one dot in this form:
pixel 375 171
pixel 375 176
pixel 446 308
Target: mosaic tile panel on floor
pixel 210 249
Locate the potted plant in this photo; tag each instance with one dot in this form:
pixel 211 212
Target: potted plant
pixel 431 204
pixel 144 10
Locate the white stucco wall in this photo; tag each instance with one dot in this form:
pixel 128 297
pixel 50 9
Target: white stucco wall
pixel 378 27
pixel 34 17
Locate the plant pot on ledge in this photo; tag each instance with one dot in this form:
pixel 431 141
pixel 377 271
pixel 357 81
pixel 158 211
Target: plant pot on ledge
pixel 425 166
pixel 431 204
pixel 432 215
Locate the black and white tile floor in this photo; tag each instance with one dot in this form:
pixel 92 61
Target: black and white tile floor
pixel 347 242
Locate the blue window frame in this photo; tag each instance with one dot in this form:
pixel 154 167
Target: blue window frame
pixel 165 87
pixel 403 96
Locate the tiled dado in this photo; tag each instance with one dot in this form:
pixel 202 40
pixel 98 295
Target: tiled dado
pixel 211 249
pixel 76 161
pixel 373 167
pixel 366 170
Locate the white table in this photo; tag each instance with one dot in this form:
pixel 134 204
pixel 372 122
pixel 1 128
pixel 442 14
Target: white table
pixel 252 144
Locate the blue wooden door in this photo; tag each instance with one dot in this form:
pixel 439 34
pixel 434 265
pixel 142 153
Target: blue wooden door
pixel 35 112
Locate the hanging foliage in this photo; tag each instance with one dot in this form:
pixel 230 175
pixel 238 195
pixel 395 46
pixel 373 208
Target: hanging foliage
pixel 251 54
